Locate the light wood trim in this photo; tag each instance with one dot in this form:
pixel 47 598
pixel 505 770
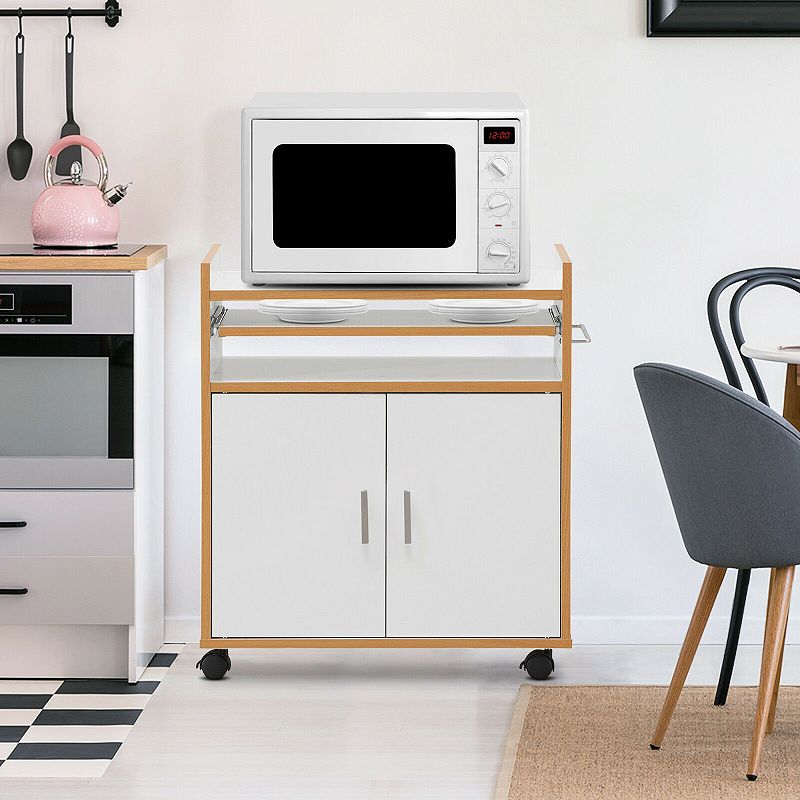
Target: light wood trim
pixel 791 396
pixel 389 330
pixel 702 611
pixel 375 387
pixel 381 294
pixel 774 630
pixel 773 708
pixel 566 438
pixel 212 253
pixel 205 444
pixel 385 643
pixel 147 257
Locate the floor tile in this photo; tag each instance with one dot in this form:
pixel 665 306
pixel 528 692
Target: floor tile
pixel 163 659
pixel 60 701
pixel 154 673
pixel 12 733
pixel 5 749
pixel 76 733
pixel 64 750
pixel 18 716
pixel 106 687
pixel 28 687
pixel 18 768
pixel 23 700
pixel 93 716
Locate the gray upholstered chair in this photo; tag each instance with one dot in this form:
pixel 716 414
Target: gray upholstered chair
pixel 732 468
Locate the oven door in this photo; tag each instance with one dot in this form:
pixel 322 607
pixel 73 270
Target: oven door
pixel 355 196
pixel 66 411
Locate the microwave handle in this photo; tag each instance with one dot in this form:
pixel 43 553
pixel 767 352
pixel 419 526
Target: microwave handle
pixel 17 524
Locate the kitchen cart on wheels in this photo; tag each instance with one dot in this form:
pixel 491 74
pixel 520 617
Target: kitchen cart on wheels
pixel 374 500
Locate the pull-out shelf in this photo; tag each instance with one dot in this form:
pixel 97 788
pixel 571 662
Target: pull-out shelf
pixel 384 322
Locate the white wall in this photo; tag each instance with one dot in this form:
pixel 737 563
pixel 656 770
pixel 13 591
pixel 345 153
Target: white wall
pixel 662 164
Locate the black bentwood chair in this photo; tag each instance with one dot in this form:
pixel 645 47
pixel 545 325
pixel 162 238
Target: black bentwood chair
pixel 750 279
pixel 732 468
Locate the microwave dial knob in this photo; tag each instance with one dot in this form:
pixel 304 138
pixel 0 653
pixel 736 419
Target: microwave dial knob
pixel 498 252
pixel 498 204
pixel 499 168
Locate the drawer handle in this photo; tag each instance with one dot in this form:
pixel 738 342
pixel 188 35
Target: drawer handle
pixel 364 517
pixel 18 524
pixel 407 515
pixel 14 591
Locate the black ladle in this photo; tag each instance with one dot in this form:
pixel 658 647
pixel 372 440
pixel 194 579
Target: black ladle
pixel 19 152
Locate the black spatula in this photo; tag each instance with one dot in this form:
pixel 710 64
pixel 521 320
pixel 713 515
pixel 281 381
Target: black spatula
pixel 70 128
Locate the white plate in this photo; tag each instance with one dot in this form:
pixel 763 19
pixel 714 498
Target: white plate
pixel 313 311
pixel 483 310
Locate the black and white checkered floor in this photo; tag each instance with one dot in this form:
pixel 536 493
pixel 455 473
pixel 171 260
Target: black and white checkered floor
pixel 72 728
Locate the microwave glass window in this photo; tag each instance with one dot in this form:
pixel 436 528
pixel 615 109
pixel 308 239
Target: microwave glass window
pixel 6 301
pixel 56 407
pixel 499 135
pixel 364 195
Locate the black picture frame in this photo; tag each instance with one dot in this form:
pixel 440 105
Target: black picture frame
pixel 723 18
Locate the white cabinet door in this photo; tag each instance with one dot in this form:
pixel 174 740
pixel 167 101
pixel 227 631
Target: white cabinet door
pixel 287 556
pixel 473 481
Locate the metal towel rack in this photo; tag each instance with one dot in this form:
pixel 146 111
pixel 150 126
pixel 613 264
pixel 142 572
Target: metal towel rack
pixel 112 12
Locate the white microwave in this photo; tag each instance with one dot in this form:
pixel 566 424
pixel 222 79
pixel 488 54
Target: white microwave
pixel 385 189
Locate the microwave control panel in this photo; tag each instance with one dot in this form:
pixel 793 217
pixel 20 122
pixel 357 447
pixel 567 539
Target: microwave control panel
pixel 35 304
pixel 499 210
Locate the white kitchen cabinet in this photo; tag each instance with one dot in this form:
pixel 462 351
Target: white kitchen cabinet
pixel 471 544
pixel 298 515
pixel 81 563
pixel 464 456
pixel 473 515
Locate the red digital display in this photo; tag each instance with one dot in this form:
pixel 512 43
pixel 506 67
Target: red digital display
pixel 504 135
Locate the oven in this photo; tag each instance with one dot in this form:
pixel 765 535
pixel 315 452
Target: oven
pixel 385 189
pixel 66 381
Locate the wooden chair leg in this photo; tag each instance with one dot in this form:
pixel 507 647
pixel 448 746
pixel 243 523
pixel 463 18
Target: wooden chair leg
pixel 702 611
pixel 773 707
pixel 777 612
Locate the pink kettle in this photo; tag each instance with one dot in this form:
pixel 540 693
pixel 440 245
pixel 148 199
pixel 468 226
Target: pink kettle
pixel 74 213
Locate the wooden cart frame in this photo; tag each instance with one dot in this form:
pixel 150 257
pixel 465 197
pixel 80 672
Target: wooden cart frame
pixel 211 331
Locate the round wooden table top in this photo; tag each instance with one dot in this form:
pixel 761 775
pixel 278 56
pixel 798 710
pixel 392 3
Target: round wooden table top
pixel 785 354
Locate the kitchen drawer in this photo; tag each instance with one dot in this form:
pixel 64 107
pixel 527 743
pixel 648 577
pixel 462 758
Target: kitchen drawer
pixel 98 523
pixel 86 591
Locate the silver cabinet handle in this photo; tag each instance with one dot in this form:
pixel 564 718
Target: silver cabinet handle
pixel 586 338
pixel 407 515
pixel 364 517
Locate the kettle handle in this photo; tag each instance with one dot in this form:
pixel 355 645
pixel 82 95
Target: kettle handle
pixel 81 141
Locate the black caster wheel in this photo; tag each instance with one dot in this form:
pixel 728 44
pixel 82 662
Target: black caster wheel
pixel 215 663
pixel 539 664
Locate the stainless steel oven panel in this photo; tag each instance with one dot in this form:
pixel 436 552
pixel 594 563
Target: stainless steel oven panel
pixel 66 473
pixel 101 303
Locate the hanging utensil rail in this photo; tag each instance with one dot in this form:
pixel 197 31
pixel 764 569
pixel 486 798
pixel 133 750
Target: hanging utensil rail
pixel 111 12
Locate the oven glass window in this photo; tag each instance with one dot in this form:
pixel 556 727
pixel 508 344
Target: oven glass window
pixel 364 195
pixel 66 396
pixel 56 407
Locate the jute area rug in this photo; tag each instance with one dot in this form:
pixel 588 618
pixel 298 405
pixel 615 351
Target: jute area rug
pixel 592 743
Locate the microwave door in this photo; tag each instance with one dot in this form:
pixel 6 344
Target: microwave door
pixel 364 196
pixel 66 412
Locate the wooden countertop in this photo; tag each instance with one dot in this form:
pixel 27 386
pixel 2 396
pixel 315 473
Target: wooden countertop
pixel 147 257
